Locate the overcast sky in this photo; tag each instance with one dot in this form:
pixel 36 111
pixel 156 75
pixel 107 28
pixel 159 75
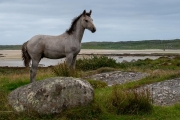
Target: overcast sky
pixel 115 20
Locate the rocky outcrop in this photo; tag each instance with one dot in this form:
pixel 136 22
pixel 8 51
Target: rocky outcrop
pixel 52 95
pixel 164 93
pixel 118 77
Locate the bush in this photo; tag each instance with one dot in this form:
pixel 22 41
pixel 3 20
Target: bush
pixel 63 70
pixel 95 62
pixel 130 102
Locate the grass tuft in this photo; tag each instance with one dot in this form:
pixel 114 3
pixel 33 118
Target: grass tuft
pixel 97 83
pixel 90 112
pixel 130 102
pixel 63 70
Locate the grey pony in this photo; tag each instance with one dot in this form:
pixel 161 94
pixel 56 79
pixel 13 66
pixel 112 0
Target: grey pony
pixel 66 45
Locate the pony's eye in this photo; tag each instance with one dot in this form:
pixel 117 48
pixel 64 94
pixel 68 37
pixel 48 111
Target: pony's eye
pixel 86 20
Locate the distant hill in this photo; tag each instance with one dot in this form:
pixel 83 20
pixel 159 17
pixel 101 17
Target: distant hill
pixel 125 45
pixel 122 45
pixel 10 47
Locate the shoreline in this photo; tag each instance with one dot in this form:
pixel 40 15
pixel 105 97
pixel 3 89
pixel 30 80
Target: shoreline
pixel 12 58
pixel 16 54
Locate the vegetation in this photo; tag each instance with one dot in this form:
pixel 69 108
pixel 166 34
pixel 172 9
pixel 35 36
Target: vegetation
pixel 116 102
pixel 163 63
pixel 130 102
pixel 134 45
pixel 95 62
pixel 97 83
pixel 10 47
pixel 62 70
pixel 122 45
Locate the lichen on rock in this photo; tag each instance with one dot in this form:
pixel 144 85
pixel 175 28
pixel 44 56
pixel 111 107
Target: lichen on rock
pixel 52 95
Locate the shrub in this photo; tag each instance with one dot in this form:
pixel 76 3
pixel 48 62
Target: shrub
pixel 95 62
pixel 63 70
pixel 130 102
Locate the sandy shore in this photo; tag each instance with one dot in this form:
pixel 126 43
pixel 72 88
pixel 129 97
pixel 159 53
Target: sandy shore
pixel 148 51
pixel 16 54
pixel 13 57
pixel 10 54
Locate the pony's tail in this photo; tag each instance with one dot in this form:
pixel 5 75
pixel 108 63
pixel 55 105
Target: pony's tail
pixel 25 55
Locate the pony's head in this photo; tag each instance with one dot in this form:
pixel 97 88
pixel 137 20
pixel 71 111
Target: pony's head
pixel 87 21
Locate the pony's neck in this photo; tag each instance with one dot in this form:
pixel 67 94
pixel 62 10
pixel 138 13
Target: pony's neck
pixel 79 31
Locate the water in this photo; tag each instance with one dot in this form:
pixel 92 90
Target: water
pixel 19 63
pixel 48 62
pixel 130 58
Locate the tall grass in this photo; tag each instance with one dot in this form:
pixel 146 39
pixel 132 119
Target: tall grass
pixel 100 63
pixel 95 62
pixel 119 101
pixel 63 70
pixel 90 112
pixel 130 102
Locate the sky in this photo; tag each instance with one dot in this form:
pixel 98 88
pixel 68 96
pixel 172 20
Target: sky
pixel 115 20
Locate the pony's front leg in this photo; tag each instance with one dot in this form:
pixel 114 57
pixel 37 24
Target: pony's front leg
pixel 69 59
pixel 73 64
pixel 33 71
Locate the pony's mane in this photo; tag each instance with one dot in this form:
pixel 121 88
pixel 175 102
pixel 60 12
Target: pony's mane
pixel 73 24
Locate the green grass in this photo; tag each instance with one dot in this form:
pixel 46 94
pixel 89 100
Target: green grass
pixel 129 102
pixel 97 83
pixel 110 103
pixel 163 63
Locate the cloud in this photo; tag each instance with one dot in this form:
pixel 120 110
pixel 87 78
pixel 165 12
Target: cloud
pixel 115 20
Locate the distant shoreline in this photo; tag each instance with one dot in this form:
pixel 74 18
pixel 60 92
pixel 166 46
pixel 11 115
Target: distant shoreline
pixel 16 54
pixel 12 58
pixel 119 45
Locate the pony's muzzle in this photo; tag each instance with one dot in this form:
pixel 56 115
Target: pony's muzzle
pixel 93 30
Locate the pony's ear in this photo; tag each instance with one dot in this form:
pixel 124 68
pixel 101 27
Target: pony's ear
pixel 90 12
pixel 84 13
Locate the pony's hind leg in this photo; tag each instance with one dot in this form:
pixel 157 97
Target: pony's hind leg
pixel 33 70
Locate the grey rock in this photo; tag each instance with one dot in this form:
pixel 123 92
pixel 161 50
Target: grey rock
pixel 52 95
pixel 164 93
pixel 118 77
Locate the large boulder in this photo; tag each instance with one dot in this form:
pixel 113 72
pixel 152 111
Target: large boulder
pixel 52 95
